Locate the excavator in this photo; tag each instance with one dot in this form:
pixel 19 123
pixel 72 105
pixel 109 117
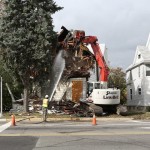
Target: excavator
pixel 99 96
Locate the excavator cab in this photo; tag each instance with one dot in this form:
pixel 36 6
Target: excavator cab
pixel 93 85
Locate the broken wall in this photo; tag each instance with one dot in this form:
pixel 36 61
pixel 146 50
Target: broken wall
pixel 76 90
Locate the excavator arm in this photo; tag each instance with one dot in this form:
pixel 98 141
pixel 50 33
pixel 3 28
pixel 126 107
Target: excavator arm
pixel 104 70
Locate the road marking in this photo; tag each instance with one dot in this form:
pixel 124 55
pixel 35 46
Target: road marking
pixel 5 126
pixel 145 127
pixel 138 121
pixel 77 134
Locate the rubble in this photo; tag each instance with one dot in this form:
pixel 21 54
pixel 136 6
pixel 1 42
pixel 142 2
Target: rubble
pixel 62 107
pixel 71 108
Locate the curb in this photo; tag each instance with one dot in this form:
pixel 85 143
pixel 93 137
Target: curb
pixel 69 119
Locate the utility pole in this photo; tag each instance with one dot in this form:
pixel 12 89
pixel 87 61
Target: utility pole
pixel 1 100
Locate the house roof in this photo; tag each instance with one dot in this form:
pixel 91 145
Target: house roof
pixel 148 42
pixel 144 53
pixel 145 57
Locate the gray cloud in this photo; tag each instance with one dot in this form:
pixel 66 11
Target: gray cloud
pixel 120 24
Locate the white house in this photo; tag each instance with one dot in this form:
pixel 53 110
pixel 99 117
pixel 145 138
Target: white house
pixel 138 79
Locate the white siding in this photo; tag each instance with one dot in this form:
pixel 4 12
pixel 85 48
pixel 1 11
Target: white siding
pixel 138 57
pixel 135 84
pixel 146 84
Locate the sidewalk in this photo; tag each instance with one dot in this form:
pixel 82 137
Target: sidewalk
pixel 2 119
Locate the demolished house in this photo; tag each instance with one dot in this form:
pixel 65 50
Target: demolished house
pixel 74 66
pixel 78 62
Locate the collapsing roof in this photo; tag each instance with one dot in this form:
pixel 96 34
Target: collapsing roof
pixel 80 57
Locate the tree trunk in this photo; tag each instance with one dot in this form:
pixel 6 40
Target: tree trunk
pixel 25 81
pixel 26 102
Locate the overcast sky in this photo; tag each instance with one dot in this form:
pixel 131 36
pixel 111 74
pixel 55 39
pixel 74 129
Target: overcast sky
pixel 120 24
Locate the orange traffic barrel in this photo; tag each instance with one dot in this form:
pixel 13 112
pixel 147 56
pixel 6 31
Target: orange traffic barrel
pixel 13 122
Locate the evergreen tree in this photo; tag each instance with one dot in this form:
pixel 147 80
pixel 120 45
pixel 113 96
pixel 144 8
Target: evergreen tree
pixel 1 7
pixel 27 40
pixel 7 77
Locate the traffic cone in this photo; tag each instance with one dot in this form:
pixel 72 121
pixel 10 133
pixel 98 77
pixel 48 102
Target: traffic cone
pixel 13 122
pixel 94 120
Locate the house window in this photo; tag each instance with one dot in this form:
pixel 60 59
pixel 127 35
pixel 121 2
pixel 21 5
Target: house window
pixel 147 70
pixel 139 91
pixel 131 94
pixel 139 56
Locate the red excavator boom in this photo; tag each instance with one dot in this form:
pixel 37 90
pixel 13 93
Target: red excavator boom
pixel 104 70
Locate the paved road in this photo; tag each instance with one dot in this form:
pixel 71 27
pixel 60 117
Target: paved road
pixel 114 135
